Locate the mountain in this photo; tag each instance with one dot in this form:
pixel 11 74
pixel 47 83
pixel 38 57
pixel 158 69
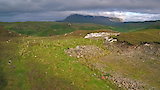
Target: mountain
pixel 77 18
pixel 117 23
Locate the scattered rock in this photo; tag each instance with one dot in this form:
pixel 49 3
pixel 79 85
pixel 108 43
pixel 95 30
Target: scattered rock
pixel 69 24
pixel 147 44
pixel 88 51
pixel 9 62
pixel 126 83
pixel 110 39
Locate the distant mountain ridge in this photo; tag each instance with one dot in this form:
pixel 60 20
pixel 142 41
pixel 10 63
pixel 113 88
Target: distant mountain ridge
pixel 77 18
pixel 117 23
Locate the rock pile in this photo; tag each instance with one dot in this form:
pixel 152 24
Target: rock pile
pixel 123 82
pixel 127 83
pixel 101 34
pixel 105 35
pixel 110 40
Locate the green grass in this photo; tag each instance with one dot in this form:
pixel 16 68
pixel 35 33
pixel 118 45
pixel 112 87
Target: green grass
pixel 57 28
pixel 139 37
pixel 135 69
pixel 41 63
pixel 135 26
pixel 48 28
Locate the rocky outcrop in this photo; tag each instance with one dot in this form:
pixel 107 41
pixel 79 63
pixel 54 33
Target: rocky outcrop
pixel 101 34
pixel 105 35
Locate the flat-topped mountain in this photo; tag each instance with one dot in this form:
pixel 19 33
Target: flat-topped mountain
pixel 77 18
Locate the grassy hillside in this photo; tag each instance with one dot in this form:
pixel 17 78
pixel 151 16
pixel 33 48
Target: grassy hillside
pixel 57 28
pixel 48 28
pixel 141 36
pixel 38 63
pixel 135 26
pixel 6 35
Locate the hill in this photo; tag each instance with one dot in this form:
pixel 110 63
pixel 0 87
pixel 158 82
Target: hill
pixel 135 26
pixel 40 63
pixel 140 37
pixel 77 18
pixel 116 23
pixel 53 55
pixel 49 28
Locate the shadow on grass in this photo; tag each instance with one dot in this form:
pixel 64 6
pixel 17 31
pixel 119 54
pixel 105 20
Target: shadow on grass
pixel 3 81
pixel 41 80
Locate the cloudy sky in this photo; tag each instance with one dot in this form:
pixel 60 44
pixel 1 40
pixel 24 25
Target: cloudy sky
pixel 51 10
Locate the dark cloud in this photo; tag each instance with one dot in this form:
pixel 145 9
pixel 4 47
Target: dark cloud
pixel 27 9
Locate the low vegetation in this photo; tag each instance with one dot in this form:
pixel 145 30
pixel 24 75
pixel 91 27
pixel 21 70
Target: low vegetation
pixel 48 28
pixel 40 63
pixel 31 60
pixel 140 37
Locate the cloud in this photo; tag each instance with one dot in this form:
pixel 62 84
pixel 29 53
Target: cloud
pixel 61 5
pixel 34 16
pixel 59 15
pixel 126 16
pixel 20 10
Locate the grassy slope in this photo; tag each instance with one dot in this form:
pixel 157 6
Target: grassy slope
pixel 41 63
pixel 129 27
pixel 48 28
pixel 142 36
pixel 146 71
pixel 57 28
pixel 6 35
pixel 135 26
